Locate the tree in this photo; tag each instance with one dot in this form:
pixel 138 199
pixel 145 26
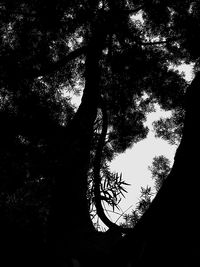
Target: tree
pixel 169 228
pixel 48 48
pixel 170 129
pixel 130 220
pixel 160 169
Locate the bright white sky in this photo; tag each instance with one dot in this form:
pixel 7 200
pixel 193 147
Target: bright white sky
pixel 134 163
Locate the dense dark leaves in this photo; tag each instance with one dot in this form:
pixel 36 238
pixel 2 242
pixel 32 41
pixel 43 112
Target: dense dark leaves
pixel 160 169
pixel 170 129
pixel 36 38
pixel 43 62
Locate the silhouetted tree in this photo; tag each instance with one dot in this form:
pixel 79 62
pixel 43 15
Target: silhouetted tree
pixel 130 220
pixel 170 129
pixel 53 49
pixel 160 169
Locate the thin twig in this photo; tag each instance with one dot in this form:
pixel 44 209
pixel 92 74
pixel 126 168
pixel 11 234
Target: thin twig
pixel 135 10
pixel 123 213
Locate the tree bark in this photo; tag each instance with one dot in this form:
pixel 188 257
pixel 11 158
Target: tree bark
pixel 70 225
pixel 168 233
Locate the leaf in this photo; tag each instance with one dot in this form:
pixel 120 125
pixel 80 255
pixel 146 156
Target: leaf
pixel 123 189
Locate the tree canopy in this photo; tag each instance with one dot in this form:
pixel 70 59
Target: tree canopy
pixel 54 157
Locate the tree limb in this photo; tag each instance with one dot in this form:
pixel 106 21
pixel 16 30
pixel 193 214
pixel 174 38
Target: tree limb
pixel 160 42
pixel 135 10
pixel 97 178
pixel 52 67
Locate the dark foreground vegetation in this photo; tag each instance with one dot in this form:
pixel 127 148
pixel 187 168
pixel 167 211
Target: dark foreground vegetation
pixel 54 158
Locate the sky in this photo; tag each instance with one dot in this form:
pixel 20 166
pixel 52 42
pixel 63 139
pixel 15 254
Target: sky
pixel 134 163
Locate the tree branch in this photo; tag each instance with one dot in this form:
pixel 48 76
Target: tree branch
pixel 97 178
pixel 135 10
pixel 154 43
pixel 160 42
pixel 52 67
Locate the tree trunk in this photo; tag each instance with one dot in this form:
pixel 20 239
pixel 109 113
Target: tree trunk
pixel 168 233
pixel 70 225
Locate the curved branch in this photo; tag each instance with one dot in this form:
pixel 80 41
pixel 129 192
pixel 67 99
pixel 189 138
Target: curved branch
pixel 135 10
pixel 97 178
pixel 160 42
pixel 52 67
